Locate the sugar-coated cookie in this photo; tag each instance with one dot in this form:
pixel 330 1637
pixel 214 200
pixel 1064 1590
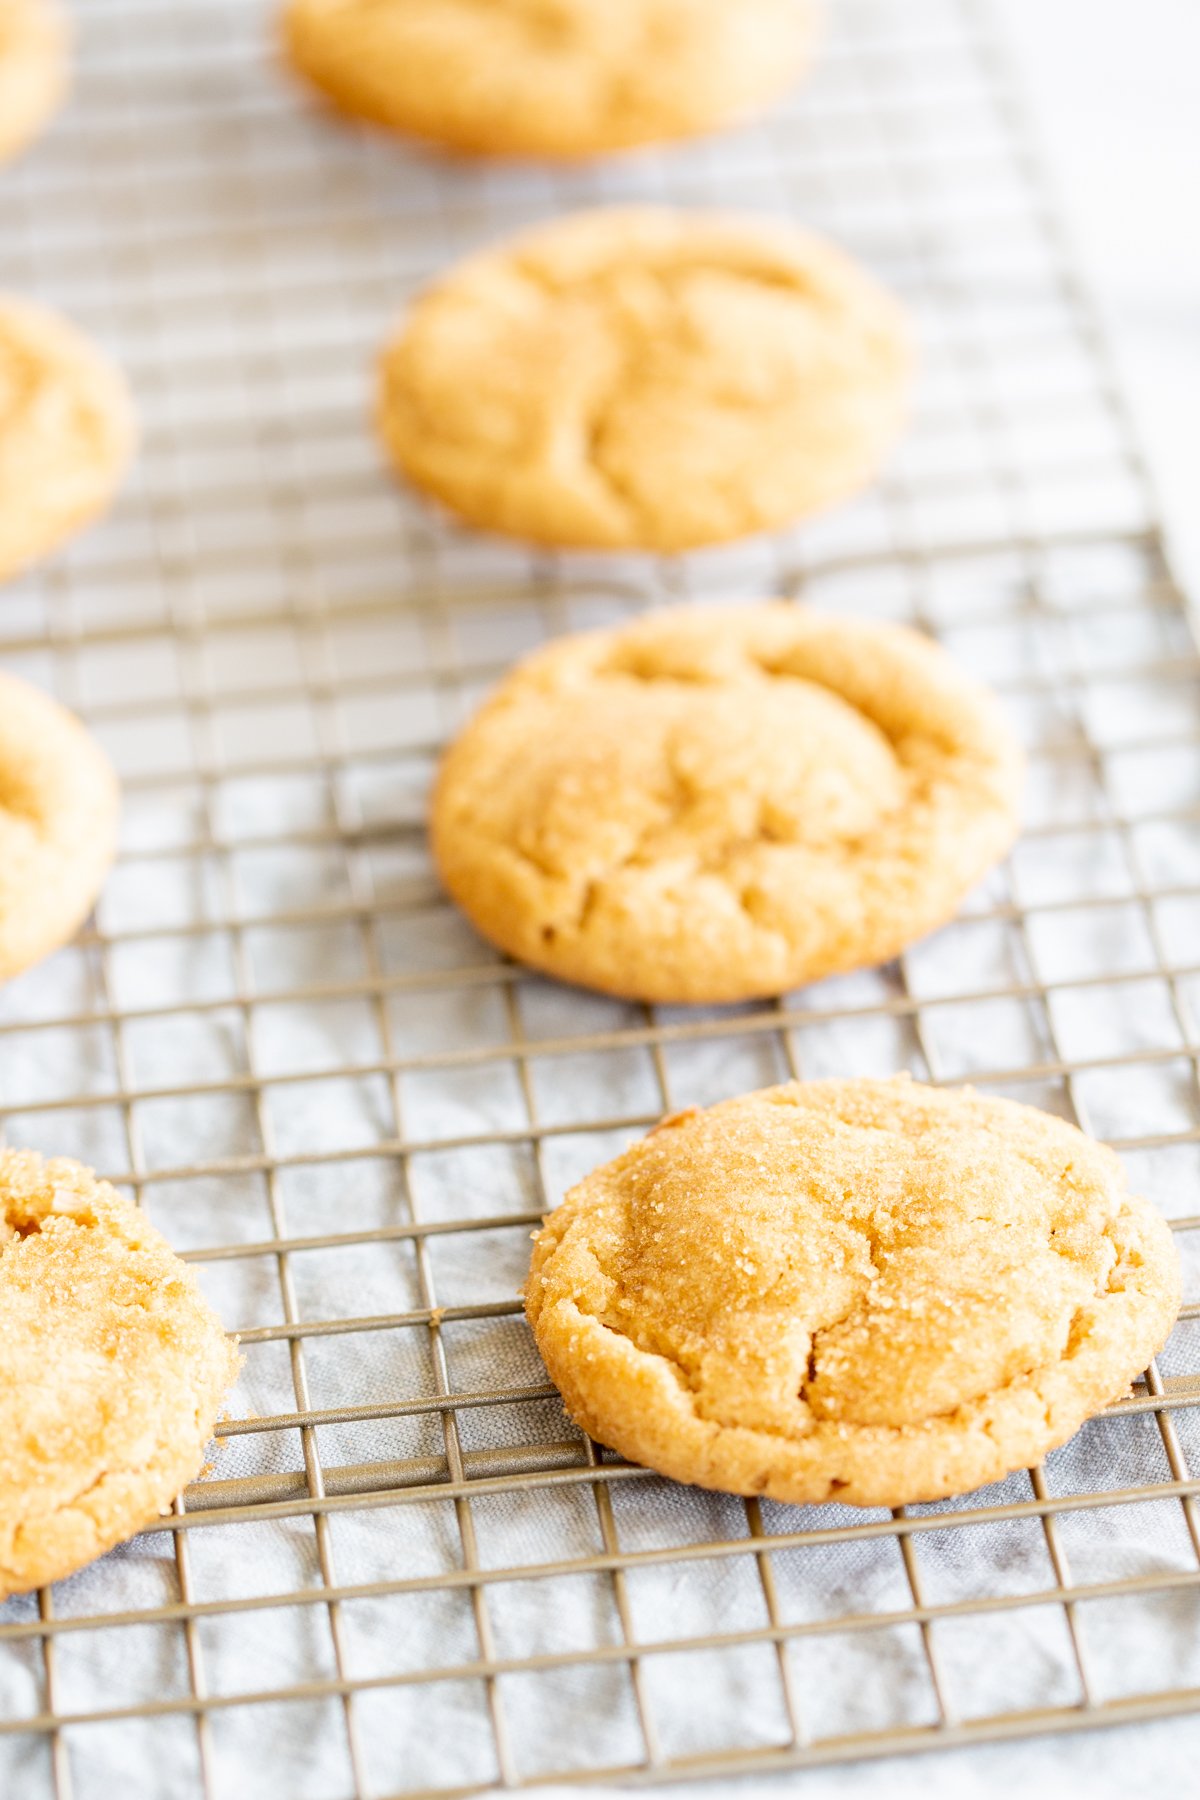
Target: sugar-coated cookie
pixel 66 432
pixel 112 1370
pixel 34 69
pixel 551 78
pixel 712 804
pixel 865 1291
pixel 646 379
pixel 58 824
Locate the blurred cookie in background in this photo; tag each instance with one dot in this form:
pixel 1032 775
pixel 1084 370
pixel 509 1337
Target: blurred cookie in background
pixel 34 70
pixel 553 78
pixel 66 432
pixel 645 378
pixel 58 824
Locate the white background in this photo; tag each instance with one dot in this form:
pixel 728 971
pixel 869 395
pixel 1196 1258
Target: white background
pixel 1115 89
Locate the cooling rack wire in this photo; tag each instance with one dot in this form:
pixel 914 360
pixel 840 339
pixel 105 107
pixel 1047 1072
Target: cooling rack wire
pixel 406 1572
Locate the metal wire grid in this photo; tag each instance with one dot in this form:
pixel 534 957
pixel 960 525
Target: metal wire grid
pixel 349 1114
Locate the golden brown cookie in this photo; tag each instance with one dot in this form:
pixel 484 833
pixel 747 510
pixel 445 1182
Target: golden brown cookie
pixel 646 380
pixel 555 78
pixel 34 70
pixel 712 804
pixel 867 1291
pixel 66 432
pixel 58 824
pixel 112 1370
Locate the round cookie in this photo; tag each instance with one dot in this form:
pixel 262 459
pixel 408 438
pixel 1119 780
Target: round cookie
pixel 58 824
pixel 867 1291
pixel 709 805
pixel 553 78
pixel 646 380
pixel 66 432
pixel 112 1370
pixel 34 44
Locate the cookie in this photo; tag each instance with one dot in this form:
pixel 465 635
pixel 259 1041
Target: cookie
pixel 112 1370
pixel 550 78
pixel 33 70
pixel 865 1291
pixel 708 805
pixel 58 824
pixel 646 380
pixel 66 433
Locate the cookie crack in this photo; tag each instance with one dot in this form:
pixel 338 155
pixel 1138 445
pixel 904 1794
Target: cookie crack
pixel 947 1416
pixel 717 860
pixel 648 1341
pixel 639 344
pixel 620 491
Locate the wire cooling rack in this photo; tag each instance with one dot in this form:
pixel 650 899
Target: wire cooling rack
pixel 406 1572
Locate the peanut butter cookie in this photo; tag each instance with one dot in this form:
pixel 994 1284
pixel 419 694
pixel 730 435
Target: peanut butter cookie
pixel 713 804
pixel 867 1291
pixel 646 380
pixel 58 824
pixel 554 78
pixel 66 433
pixel 33 70
pixel 112 1370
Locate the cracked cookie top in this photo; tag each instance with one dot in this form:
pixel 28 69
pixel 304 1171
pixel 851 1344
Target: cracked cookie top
pixel 58 823
pixel 865 1290
pixel 33 69
pixel 112 1368
pixel 646 379
pixel 66 432
pixel 715 804
pixel 556 78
